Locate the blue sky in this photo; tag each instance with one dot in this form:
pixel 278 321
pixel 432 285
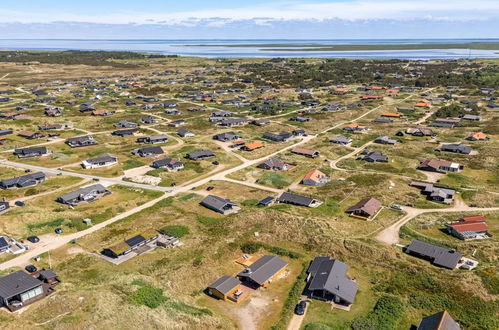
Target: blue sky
pixel 249 19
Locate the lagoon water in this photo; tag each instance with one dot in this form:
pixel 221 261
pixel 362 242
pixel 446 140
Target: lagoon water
pixel 253 48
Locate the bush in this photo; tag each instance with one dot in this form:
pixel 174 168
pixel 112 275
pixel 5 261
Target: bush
pixel 149 296
pixel 385 315
pixel 250 247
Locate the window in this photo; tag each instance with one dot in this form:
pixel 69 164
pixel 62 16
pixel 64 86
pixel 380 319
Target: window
pixel 32 293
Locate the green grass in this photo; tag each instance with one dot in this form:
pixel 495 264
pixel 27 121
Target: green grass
pixel 132 163
pixel 42 225
pixel 176 230
pixel 275 179
pixel 208 221
pixel 149 296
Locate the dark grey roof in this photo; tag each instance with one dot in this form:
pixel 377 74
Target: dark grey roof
pixel 438 321
pixel 225 284
pixel 40 150
pixel 441 256
pixel 3 242
pixel 290 198
pixel 266 201
pixel 330 275
pixel 217 203
pixel 73 195
pixel 200 154
pixel 341 139
pixel 47 273
pixel 23 179
pixel 263 269
pixel 17 283
pixel 105 158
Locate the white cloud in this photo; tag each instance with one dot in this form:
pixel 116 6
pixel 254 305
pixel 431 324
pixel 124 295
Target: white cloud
pixel 292 10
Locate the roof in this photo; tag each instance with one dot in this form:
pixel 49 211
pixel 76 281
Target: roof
pixel 266 201
pixel 20 180
pixel 83 191
pixel 474 227
pixel 263 269
pixel 369 205
pixel 330 275
pixel 216 202
pixel 3 242
pixel 473 218
pixel 287 197
pixel 438 321
pixel 441 256
pixel 200 153
pixel 17 283
pixel 391 114
pixel 225 284
pixel 479 136
pixel 341 139
pixel 304 151
pixel 47 273
pixel 254 145
pixel 102 158
pixel 314 175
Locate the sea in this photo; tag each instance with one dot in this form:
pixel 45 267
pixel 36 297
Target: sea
pixel 222 48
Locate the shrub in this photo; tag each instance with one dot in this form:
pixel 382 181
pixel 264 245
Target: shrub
pixel 149 296
pixel 250 247
pixel 386 314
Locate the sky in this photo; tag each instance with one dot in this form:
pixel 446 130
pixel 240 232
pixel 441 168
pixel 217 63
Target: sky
pixel 243 19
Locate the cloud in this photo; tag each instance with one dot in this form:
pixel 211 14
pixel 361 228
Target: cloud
pixel 459 10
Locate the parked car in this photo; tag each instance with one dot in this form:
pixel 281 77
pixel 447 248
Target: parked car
pixel 27 171
pixel 300 308
pixel 410 205
pixel 209 188
pixel 473 205
pixel 33 239
pixel 215 162
pixel 31 268
pixel 396 207
pixel 58 231
pixel 19 203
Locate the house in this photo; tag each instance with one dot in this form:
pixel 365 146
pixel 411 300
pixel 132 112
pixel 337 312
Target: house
pixel 86 194
pixel 218 114
pixel 420 132
pixel 226 288
pixel 382 120
pixel 148 151
pixel 81 141
pixel 185 133
pixel 52 127
pixel 391 115
pixel 172 112
pixel 31 152
pixel 267 201
pixel 469 228
pixel 385 140
pixel 219 204
pixel 260 122
pixel 438 321
pixel 327 281
pixel 4 132
pixel 275 164
pixel 279 137
pixel 30 135
pixel 371 97
pixel 315 178
pixel 4 206
pixel 176 123
pixel 341 140
pixel 124 132
pixel 155 139
pixel 353 127
pixel 27 180
pixel 365 208
pixel 374 156
pixel 101 161
pixel 306 152
pixel 131 244
pixel 471 117
pixel 439 166
pixel 294 199
pixel 423 104
pixel 172 164
pixel 148 120
pixel 252 146
pixel 224 137
pixel 102 113
pixel 455 148
pixel 437 255
pixel 19 289
pixel 200 155
pixel 434 193
pixel 231 122
pixel 296 132
pixel 300 119
pixel 479 136
pixel 125 124
pixel 263 271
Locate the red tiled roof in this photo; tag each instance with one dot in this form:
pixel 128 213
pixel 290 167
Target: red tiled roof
pixel 476 227
pixel 473 218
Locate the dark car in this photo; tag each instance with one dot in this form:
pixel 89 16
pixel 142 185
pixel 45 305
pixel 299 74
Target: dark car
pixel 215 162
pixel 19 203
pixel 300 308
pixel 33 239
pixel 210 188
pixel 58 231
pixel 31 268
